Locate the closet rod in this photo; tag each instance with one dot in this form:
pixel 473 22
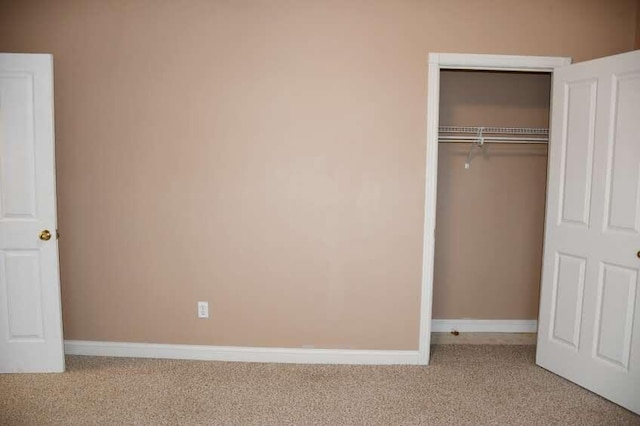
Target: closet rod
pixel 468 139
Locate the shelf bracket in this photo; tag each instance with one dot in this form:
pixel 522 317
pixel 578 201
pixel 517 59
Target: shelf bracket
pixel 478 143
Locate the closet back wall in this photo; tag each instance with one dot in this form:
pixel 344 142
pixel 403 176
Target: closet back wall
pixel 490 217
pixel 266 156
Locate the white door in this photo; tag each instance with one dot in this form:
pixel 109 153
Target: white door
pixel 589 324
pixel 30 316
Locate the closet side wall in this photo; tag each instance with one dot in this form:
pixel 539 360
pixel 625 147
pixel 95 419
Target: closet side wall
pixel 637 45
pixel 490 218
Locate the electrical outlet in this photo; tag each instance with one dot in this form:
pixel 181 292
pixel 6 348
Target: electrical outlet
pixel 203 309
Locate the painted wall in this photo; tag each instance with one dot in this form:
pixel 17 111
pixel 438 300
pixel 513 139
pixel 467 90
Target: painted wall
pixel 638 26
pixel 265 156
pixel 490 218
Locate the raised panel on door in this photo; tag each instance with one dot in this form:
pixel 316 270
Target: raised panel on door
pixel 577 151
pixel 17 168
pixel 567 299
pixel 615 314
pixel 623 167
pixel 21 294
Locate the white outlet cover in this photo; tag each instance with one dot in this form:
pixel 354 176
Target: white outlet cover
pixel 203 309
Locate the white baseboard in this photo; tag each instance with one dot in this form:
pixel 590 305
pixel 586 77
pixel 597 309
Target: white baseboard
pixel 243 354
pixel 484 326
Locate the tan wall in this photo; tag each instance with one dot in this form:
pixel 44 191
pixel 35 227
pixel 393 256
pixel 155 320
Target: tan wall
pixel 265 156
pixel 490 218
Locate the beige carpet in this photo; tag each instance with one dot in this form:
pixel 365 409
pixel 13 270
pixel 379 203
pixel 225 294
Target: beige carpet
pixel 464 385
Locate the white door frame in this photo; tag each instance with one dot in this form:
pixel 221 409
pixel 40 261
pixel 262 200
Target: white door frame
pixel 437 62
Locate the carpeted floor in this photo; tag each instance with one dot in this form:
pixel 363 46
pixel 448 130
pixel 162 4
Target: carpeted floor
pixel 464 385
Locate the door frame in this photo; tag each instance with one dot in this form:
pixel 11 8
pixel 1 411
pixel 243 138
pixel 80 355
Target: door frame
pixel 458 61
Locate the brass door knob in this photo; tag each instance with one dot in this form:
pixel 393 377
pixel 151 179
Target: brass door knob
pixel 45 235
pixel 638 254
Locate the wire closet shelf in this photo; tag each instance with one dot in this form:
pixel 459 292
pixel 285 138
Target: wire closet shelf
pixel 481 135
pixel 478 136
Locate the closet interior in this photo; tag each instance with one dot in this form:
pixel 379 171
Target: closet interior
pixel 492 170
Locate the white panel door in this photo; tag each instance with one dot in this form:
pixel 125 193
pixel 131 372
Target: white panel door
pixel 30 316
pixel 589 324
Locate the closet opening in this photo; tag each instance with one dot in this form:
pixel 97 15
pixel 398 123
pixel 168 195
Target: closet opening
pixel 482 255
pixel 491 195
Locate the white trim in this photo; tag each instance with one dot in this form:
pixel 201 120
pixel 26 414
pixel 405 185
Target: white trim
pixel 242 354
pixel 484 326
pixel 431 185
pixel 438 61
pixel 497 62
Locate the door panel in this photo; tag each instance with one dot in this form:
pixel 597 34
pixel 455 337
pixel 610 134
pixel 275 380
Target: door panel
pixel 623 171
pixel 21 283
pixel 30 315
pixel 17 183
pixel 577 156
pixel 589 323
pixel 614 314
pixel 567 299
